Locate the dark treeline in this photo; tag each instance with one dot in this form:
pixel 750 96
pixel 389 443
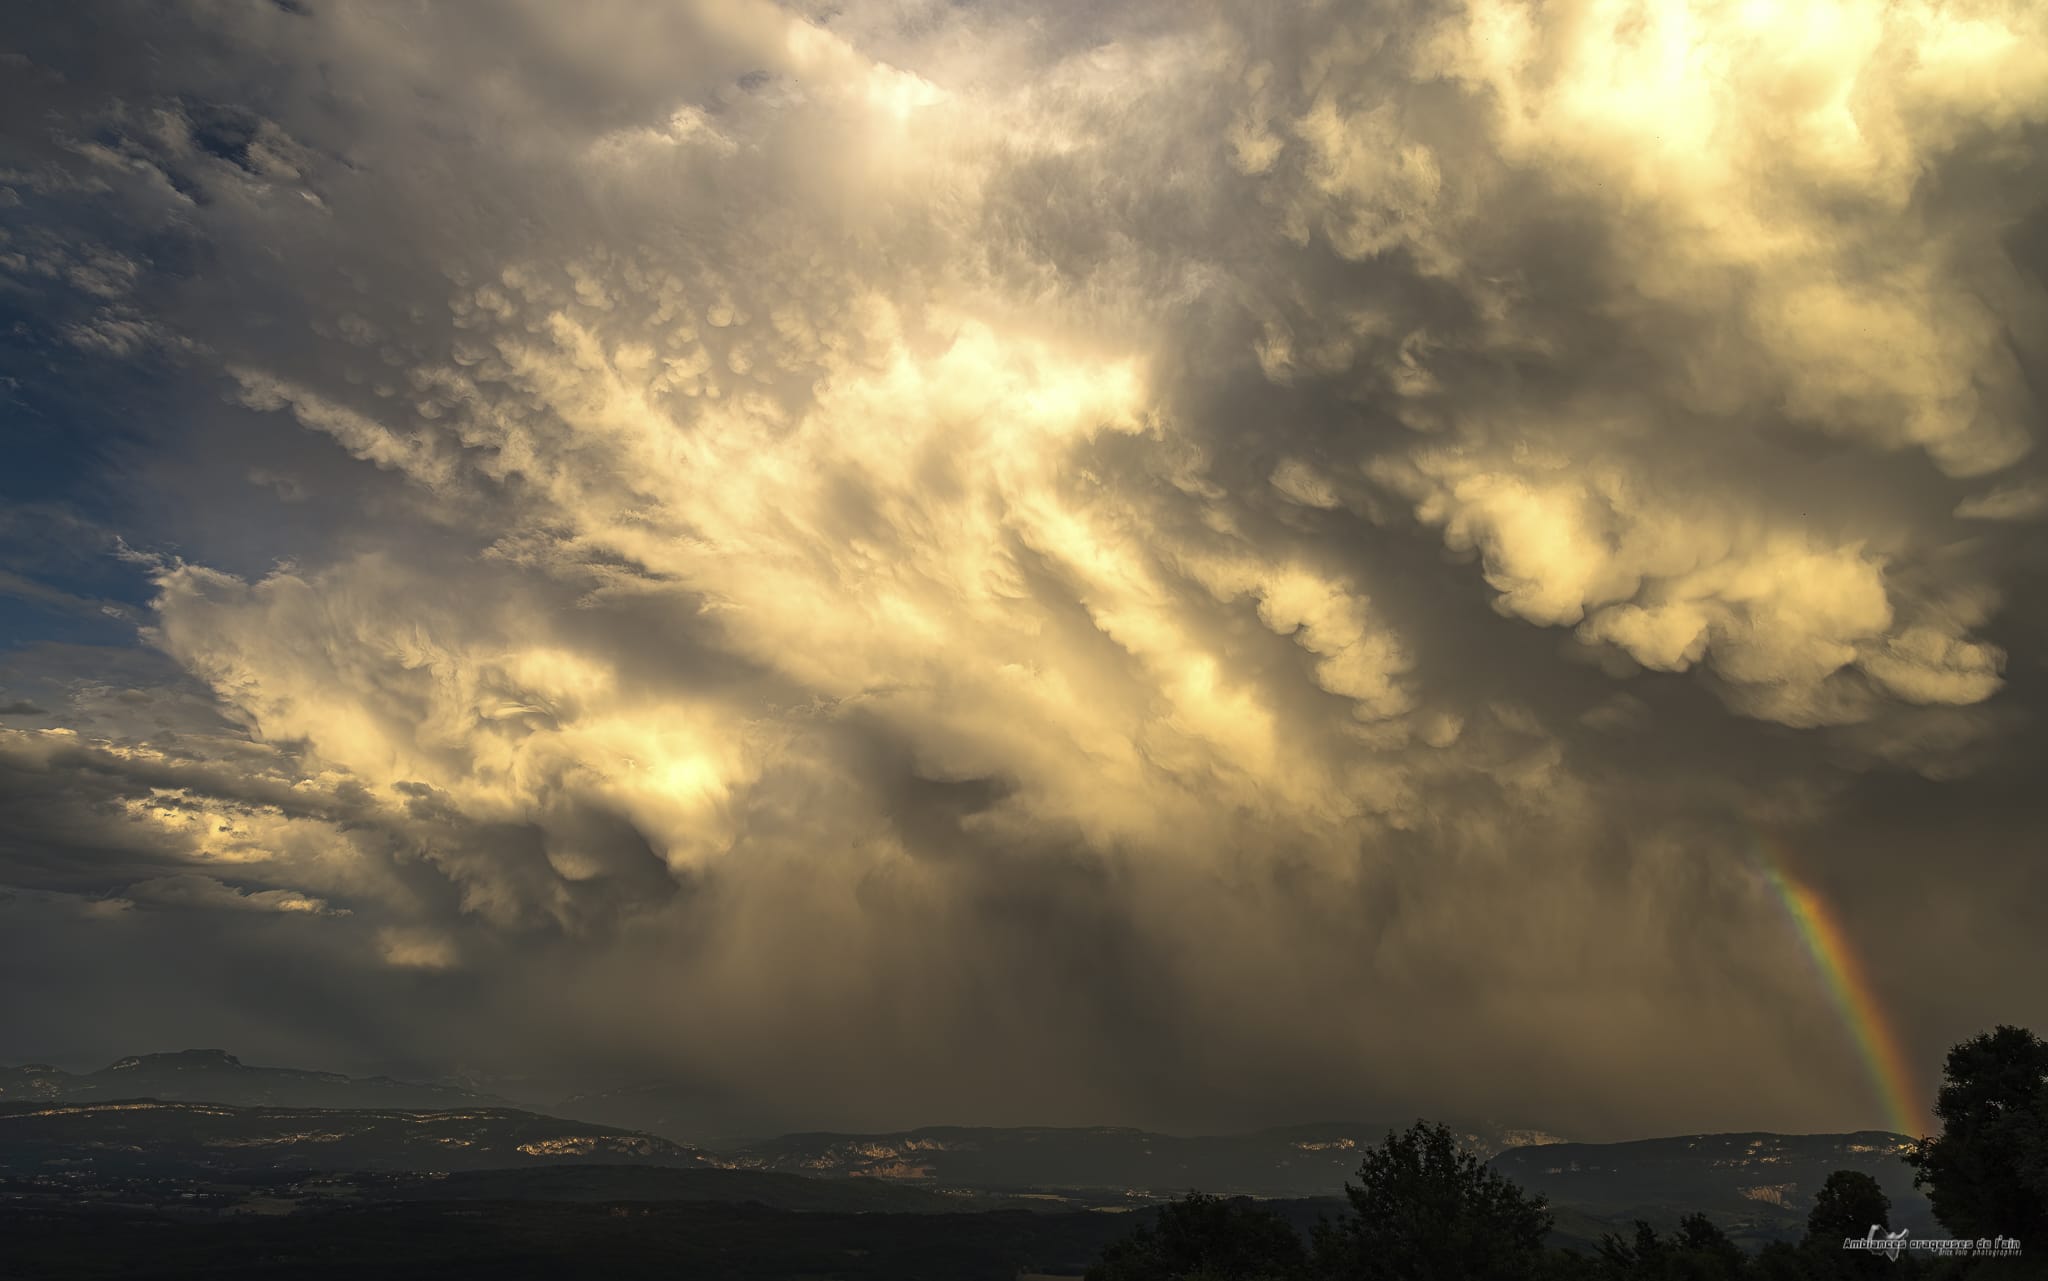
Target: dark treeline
pixel 1423 1209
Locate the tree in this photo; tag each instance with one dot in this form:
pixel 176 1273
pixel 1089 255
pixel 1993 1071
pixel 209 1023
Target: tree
pixel 1704 1251
pixel 1426 1210
pixel 1700 1251
pixel 1570 1265
pixel 1643 1256
pixel 1986 1173
pixel 1849 1204
pixel 1207 1238
pixel 1780 1261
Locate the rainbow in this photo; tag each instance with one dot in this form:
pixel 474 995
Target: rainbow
pixel 1841 971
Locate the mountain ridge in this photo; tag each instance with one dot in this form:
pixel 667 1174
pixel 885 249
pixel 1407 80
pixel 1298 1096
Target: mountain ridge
pixel 216 1076
pixel 158 1135
pixel 1733 1177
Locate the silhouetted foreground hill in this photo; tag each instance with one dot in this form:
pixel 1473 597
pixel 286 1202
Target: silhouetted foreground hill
pixel 400 1241
pixel 156 1137
pixel 407 1228
pixel 215 1076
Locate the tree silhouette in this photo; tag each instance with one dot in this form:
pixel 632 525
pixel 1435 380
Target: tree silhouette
pixel 1849 1204
pixel 1706 1253
pixel 1700 1251
pixel 1207 1238
pixel 1643 1255
pixel 1986 1173
pixel 1426 1210
pixel 1780 1261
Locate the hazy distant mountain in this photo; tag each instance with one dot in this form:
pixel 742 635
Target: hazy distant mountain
pixel 687 1112
pixel 1754 1178
pixel 149 1136
pixel 1303 1160
pixel 620 1183
pixel 215 1076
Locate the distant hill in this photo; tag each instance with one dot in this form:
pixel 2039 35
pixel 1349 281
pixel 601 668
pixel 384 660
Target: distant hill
pixel 614 1184
pixel 156 1137
pixel 1294 1161
pixel 686 1111
pixel 215 1076
pixel 1755 1185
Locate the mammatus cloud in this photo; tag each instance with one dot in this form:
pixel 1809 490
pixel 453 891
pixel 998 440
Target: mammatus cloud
pixel 1134 567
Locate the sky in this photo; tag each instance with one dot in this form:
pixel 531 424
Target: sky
pixel 1165 564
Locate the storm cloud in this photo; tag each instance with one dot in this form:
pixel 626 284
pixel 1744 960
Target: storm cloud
pixel 1179 565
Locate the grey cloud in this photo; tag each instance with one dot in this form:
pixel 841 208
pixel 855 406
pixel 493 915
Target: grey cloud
pixel 192 890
